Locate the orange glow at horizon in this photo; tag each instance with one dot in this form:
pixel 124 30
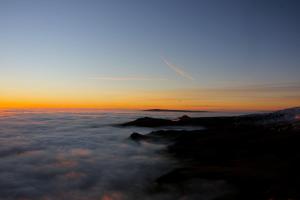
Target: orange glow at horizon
pixel 193 100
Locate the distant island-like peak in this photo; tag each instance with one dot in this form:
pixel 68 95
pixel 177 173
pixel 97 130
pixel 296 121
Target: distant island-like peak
pixel 171 110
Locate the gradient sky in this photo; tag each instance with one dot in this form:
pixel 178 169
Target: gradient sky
pixel 191 54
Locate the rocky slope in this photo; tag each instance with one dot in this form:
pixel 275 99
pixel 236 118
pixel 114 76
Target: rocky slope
pixel 259 155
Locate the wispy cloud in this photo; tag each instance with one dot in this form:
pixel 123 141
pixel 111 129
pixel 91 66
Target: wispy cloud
pixel 128 78
pixel 178 71
pixel 293 87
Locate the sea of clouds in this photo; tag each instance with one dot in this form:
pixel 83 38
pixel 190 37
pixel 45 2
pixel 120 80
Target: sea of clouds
pixel 83 155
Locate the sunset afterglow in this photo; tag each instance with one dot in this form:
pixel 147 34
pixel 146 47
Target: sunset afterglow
pixel 149 99
pixel 85 56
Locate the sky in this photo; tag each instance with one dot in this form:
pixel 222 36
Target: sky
pixel 138 54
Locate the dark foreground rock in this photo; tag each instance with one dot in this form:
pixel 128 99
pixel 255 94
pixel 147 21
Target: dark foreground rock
pixel 149 122
pixel 259 154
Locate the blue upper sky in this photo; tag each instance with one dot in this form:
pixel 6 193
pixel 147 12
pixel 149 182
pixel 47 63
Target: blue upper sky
pixel 161 43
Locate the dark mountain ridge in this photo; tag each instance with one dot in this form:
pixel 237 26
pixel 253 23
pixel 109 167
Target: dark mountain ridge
pixel 256 154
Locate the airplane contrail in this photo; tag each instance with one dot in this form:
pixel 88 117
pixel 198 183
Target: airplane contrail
pixel 178 71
